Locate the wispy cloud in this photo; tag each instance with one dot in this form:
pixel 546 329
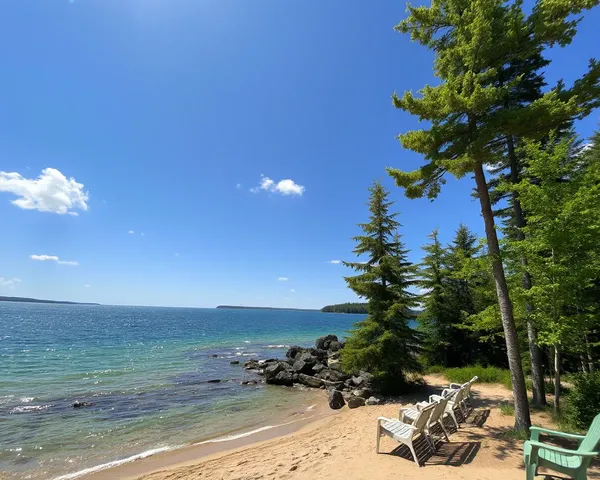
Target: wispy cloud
pixel 238 186
pixel 335 262
pixel 284 187
pixel 87 286
pixel 53 258
pixel 282 279
pixel 293 290
pixel 131 232
pixel 50 192
pixel 9 282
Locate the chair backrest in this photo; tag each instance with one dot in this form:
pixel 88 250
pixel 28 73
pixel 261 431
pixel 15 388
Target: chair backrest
pixel 423 418
pixel 461 393
pixel 438 410
pixel 592 437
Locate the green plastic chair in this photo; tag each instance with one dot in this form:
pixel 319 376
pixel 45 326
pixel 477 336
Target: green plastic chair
pixel 573 463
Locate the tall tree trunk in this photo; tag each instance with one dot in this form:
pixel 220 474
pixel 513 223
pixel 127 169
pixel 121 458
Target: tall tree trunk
pixel 556 380
pixel 522 419
pixel 588 351
pixel 537 370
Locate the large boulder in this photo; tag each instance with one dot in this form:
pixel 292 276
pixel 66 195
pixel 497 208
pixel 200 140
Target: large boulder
pixel 323 343
pixel 355 402
pixel 282 378
pixel 251 364
pixel 362 392
pixel 318 367
pixel 274 368
pixel 301 366
pixel 357 381
pixel 336 399
pixel 294 351
pixel 336 385
pixel 309 381
pixel 335 346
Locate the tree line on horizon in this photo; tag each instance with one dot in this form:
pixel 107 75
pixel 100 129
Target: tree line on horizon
pixel 526 296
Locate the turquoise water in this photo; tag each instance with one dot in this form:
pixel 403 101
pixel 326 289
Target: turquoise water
pixel 147 372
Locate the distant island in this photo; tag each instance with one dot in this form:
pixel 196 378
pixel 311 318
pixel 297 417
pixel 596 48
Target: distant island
pixel 243 307
pixel 37 300
pixel 349 307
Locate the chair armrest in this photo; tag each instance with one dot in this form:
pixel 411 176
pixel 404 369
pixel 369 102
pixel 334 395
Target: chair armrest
pixel 535 431
pixel 385 419
pixel 454 386
pixel 434 398
pixel 537 445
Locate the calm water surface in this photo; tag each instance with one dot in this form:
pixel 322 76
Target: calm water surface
pixel 147 371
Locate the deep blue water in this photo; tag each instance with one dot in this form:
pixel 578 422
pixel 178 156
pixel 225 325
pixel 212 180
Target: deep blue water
pixel 147 371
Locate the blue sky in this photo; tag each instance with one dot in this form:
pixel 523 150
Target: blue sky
pixel 169 112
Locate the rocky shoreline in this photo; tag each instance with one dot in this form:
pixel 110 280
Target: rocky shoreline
pixel 318 367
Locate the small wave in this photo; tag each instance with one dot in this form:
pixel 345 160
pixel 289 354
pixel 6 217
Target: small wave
pixel 277 346
pixel 240 354
pixel 27 399
pixel 246 341
pixel 114 463
pixel 30 408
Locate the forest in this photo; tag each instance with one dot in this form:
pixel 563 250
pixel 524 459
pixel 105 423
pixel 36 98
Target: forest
pixel 526 297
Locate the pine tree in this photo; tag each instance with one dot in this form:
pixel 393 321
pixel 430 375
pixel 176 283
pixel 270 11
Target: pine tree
pixel 384 343
pixel 472 41
pixel 436 320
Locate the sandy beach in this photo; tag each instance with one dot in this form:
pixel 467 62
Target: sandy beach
pixel 341 445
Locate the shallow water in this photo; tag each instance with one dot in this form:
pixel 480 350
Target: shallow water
pixel 148 373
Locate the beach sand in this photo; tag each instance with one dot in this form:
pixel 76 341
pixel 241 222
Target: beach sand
pixel 342 446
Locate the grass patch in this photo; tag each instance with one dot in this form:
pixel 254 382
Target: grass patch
pixel 507 408
pixel 464 374
pixel 514 434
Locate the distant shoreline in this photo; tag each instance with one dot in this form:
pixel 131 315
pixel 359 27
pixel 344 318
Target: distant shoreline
pixel 37 300
pixel 242 307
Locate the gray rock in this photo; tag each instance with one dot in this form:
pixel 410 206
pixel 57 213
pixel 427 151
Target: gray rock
pixel 362 392
pixel 336 385
pixel 309 381
pixel 294 351
pixel 309 358
pixel 249 382
pixel 335 346
pixel 79 404
pixel 301 366
pixel 358 381
pixel 216 380
pixel 373 401
pixel 323 343
pixel 272 370
pixel 318 367
pixel 355 402
pixel 282 378
pixel 336 399
pixel 251 364
pixel 234 362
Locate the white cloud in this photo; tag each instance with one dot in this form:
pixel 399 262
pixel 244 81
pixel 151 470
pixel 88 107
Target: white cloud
pixel 284 187
pixel 293 290
pixel 238 186
pixel 87 286
pixel 53 258
pixel 335 262
pixel 50 192
pixel 282 279
pixel 131 232
pixel 9 282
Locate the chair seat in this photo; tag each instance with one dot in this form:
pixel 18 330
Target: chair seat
pixel 411 413
pixel 397 429
pixel 549 458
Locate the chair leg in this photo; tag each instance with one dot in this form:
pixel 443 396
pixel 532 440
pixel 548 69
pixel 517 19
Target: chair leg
pixel 414 454
pixel 531 471
pixel 453 415
pixel 441 422
pixel 378 437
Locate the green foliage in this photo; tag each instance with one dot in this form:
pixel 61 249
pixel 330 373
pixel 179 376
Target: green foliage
pixel 384 343
pixel 584 400
pixel 484 374
pixel 348 307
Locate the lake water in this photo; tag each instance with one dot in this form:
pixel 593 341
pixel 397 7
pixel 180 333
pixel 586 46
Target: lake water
pixel 147 372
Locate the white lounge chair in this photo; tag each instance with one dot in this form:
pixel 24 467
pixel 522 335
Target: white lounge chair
pixel 403 432
pixel 466 399
pixel 408 415
pixel 454 399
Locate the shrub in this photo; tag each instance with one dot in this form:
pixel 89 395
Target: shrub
pixel 584 399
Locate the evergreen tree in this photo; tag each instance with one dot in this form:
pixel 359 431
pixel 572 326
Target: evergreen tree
pixel 472 41
pixel 436 320
pixel 384 343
